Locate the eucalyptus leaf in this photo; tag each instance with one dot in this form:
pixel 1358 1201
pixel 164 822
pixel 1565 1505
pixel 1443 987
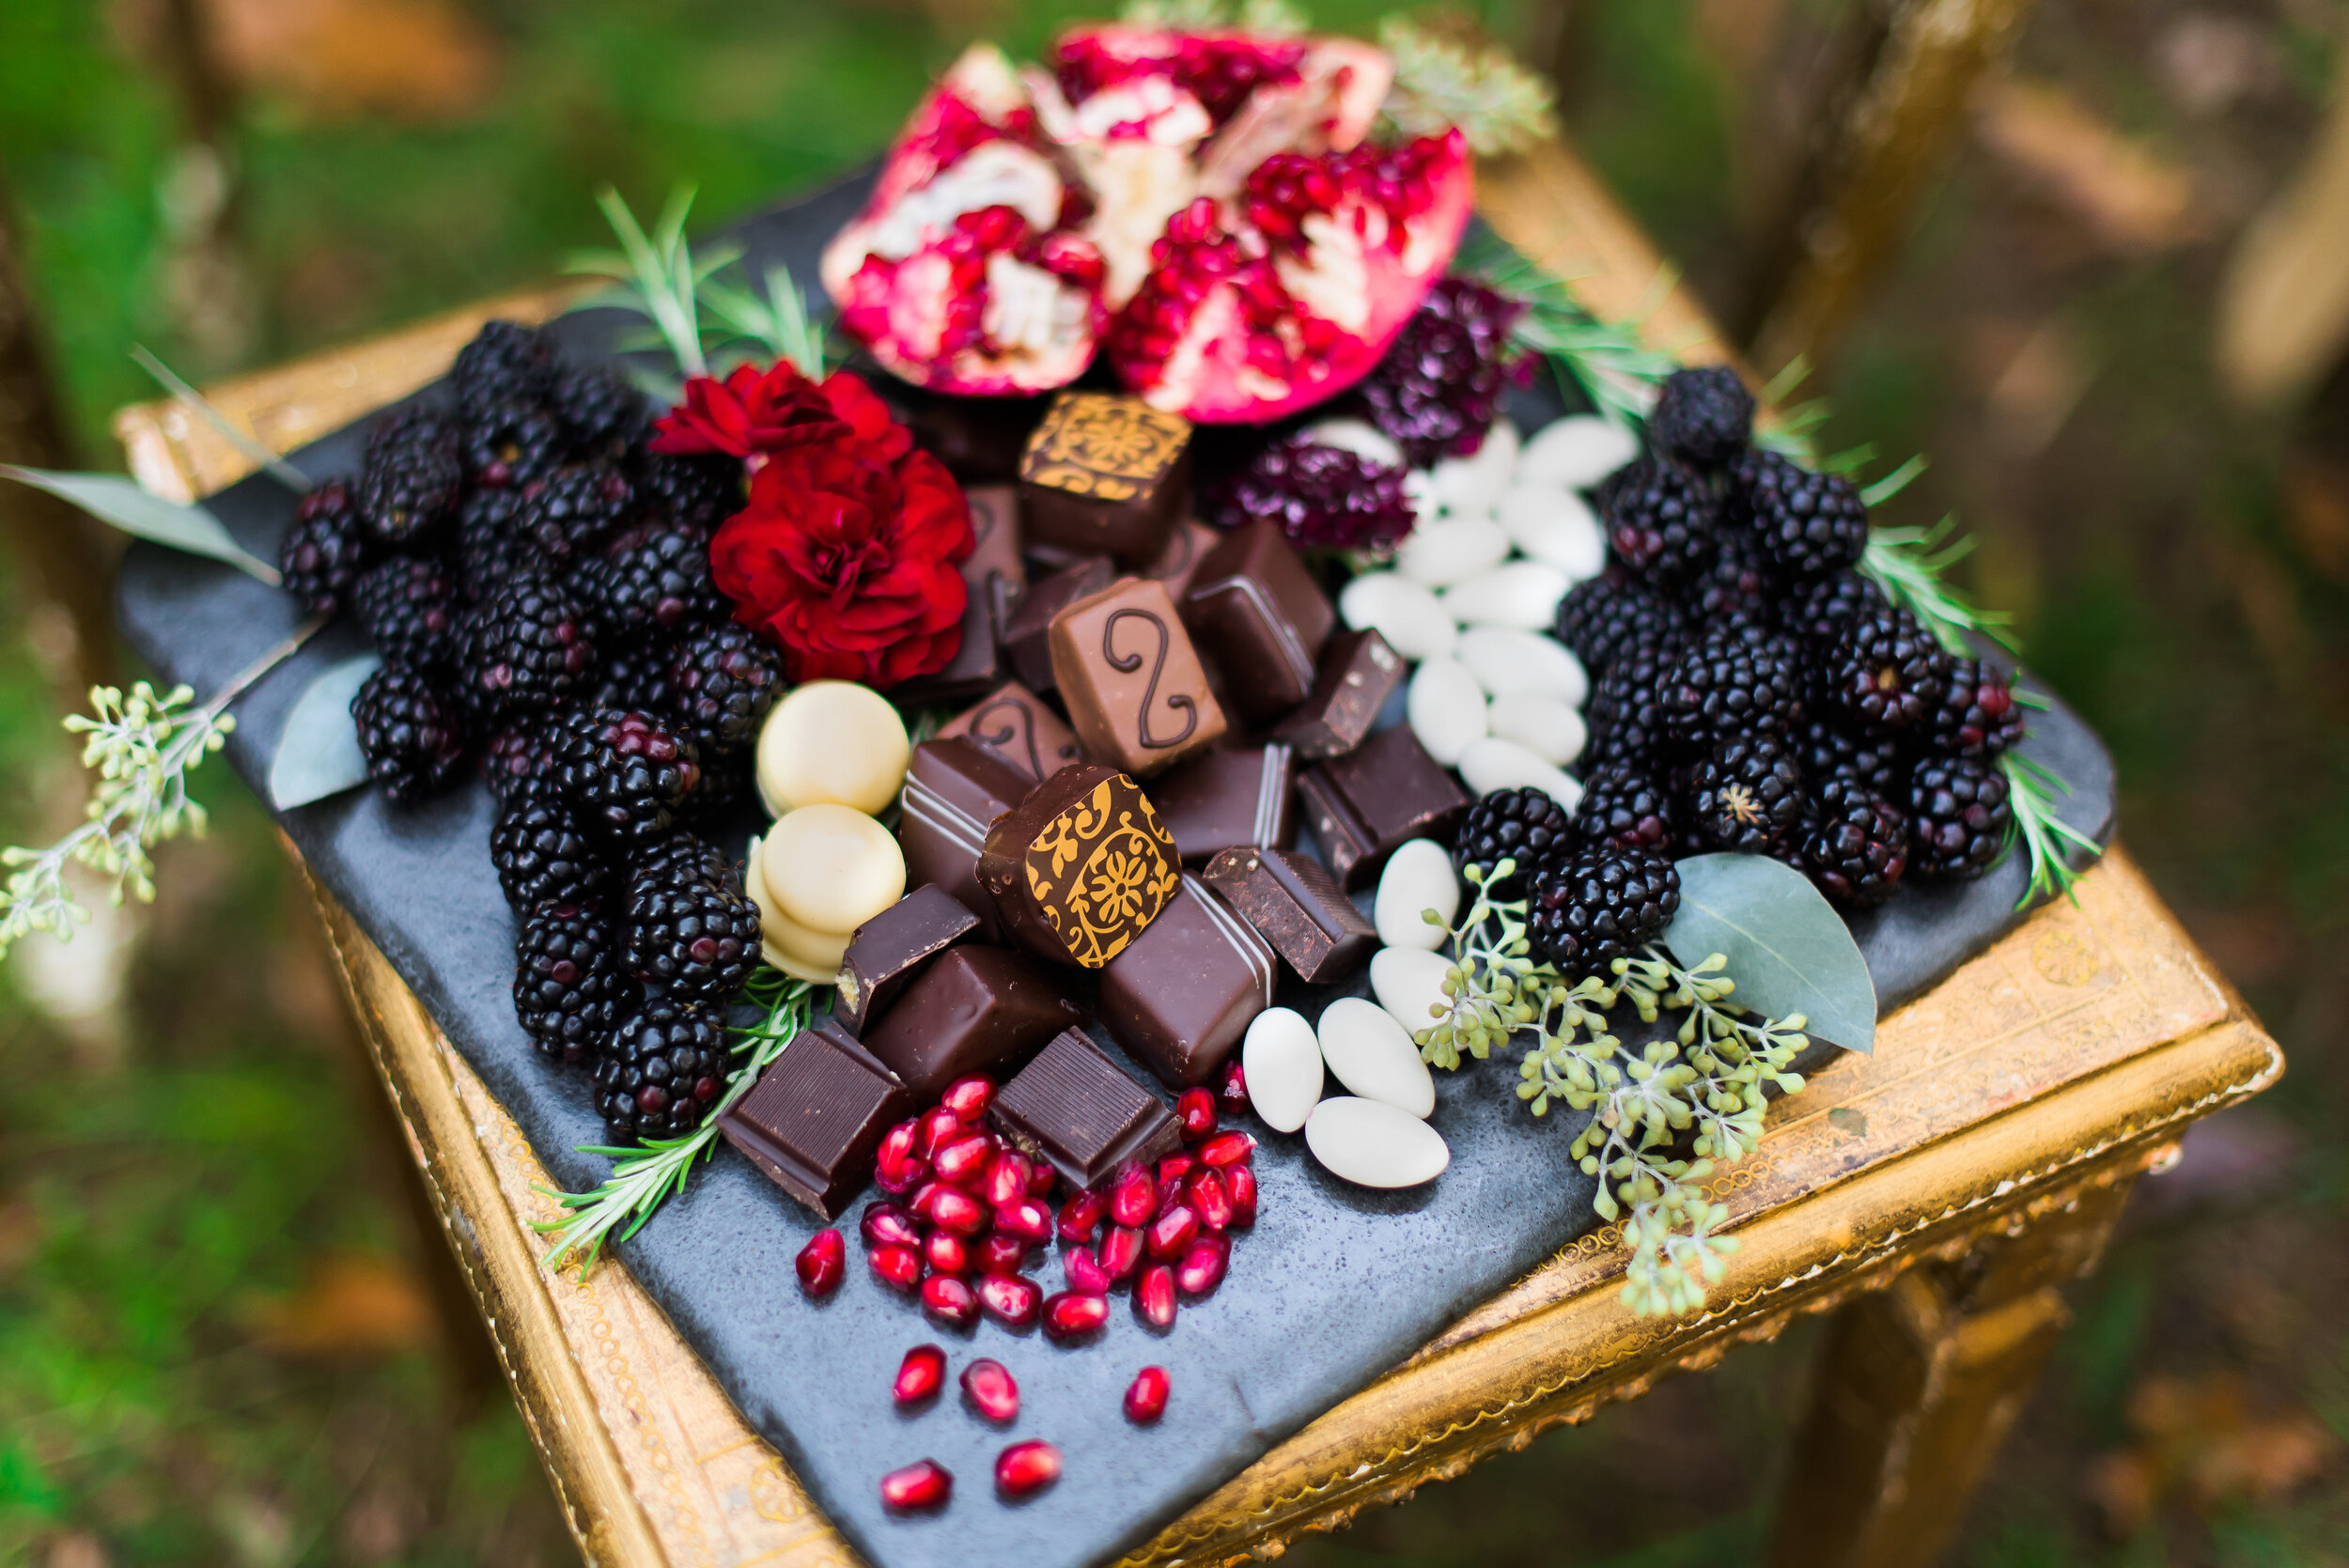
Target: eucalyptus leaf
pixel 1787 948
pixel 110 498
pixel 319 756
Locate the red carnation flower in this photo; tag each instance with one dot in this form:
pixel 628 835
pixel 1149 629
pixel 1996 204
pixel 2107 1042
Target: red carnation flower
pixel 753 411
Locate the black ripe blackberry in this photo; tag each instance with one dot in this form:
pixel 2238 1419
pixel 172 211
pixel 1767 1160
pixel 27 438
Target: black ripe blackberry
pixel 649 583
pixel 1602 617
pixel 411 734
pixel 699 491
pixel 600 411
pixel 1977 715
pixel 722 680
pixel 524 753
pixel 1739 681
pixel 323 552
pixel 1600 905
pixel 541 853
pixel 514 444
pixel 1736 588
pixel 1855 844
pixel 1627 712
pixel 1623 804
pixel 1829 752
pixel 1959 816
pixel 664 1068
pixel 573 510
pixel 1887 673
pixel 624 775
pixel 568 990
pixel 526 649
pixel 631 676
pixel 683 854
pixel 505 362
pixel 1702 416
pixel 408 606
pixel 1818 611
pixel 1433 391
pixel 1745 796
pixel 489 552
pixel 1524 824
pixel 1805 524
pixel 695 937
pixel 1660 520
pixel 408 486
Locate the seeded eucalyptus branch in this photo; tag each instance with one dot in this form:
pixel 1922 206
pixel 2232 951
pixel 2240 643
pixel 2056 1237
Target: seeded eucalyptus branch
pixel 1441 82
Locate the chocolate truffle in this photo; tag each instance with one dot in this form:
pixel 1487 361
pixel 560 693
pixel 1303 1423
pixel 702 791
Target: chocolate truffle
pixel 1359 672
pixel 1105 472
pixel 1361 805
pixel 1131 681
pixel 996 578
pixel 1178 563
pixel 1014 723
pixel 1293 903
pixel 1080 866
pixel 891 948
pixel 953 792
pixel 1182 995
pixel 975 1010
pixel 1082 1114
pixel 1257 613
pixel 1221 798
pixel 1028 635
pixel 814 1121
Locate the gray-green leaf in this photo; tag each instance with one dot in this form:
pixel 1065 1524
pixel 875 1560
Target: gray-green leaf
pixel 319 756
pixel 110 498
pixel 1788 949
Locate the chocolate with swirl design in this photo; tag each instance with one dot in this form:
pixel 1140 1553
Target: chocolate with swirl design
pixel 1014 723
pixel 1178 563
pixel 1132 682
pixel 1079 867
pixel 1028 635
pixel 1105 472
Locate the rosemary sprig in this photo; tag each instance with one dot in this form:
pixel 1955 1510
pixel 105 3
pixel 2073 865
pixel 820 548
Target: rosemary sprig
pixel 776 318
pixel 1907 564
pixel 645 1178
pixel 2046 838
pixel 1607 363
pixel 655 275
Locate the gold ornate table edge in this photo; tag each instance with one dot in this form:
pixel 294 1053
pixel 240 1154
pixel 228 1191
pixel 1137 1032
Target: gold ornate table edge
pixel 1946 1210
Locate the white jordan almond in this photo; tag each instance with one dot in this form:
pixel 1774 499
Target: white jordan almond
pixel 1506 661
pixel 1446 708
pixel 1522 594
pixel 1405 613
pixel 1371 1144
pixel 1542 725
pixel 1417 877
pixel 1576 453
pixel 1556 527
pixel 1493 764
pixel 1281 1059
pixel 1409 984
pixel 1372 1055
pixel 1450 549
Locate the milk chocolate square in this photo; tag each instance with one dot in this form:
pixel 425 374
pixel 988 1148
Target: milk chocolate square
pixel 1359 672
pixel 1105 472
pixel 814 1122
pixel 1259 615
pixel 1294 903
pixel 1014 723
pixel 1080 866
pixel 1081 1113
pixel 890 950
pixel 953 792
pixel 1361 805
pixel 1182 995
pixel 1224 798
pixel 1028 635
pixel 975 1010
pixel 996 578
pixel 1130 679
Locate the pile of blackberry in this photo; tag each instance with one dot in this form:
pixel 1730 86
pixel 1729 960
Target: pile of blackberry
pixel 537 583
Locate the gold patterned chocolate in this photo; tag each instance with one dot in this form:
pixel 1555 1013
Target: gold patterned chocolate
pixel 1080 866
pixel 1105 474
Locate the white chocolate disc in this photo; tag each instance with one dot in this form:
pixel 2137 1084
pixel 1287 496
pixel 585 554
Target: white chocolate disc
pixel 784 943
pixel 831 742
pixel 830 869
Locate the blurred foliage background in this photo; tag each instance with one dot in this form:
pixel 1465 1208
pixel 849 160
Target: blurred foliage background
pixel 221 1340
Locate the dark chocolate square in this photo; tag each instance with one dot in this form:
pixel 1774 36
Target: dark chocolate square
pixel 814 1122
pixel 1294 903
pixel 1019 727
pixel 995 579
pixel 953 792
pixel 1222 798
pixel 975 1010
pixel 1358 672
pixel 1259 615
pixel 1361 806
pixel 1028 636
pixel 889 950
pixel 1184 992
pixel 1077 1110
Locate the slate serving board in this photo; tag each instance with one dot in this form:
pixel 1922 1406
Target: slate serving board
pixel 1333 1286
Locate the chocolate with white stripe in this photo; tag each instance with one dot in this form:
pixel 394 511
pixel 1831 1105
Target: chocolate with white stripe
pixel 953 792
pixel 1227 799
pixel 1182 995
pixel 1261 618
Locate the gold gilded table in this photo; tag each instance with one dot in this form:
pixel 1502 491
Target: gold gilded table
pixel 1937 1194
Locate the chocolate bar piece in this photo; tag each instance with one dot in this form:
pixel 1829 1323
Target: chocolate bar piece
pixel 1221 798
pixel 1183 994
pixel 997 580
pixel 814 1121
pixel 1258 614
pixel 1028 635
pixel 1130 679
pixel 1105 472
pixel 889 950
pixel 1014 723
pixel 975 1010
pixel 953 791
pixel 1293 903
pixel 978 438
pixel 1078 1112
pixel 1178 563
pixel 1361 805
pixel 1080 866
pixel 1359 672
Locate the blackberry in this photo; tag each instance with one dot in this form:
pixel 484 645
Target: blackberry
pixel 1977 715
pixel 1626 717
pixel 1959 818
pixel 321 555
pixel 539 851
pixel 573 510
pixel 1321 496
pixel 632 677
pixel 488 552
pixel 1736 588
pixel 520 757
pixel 648 582
pixel 409 608
pixel 1660 518
pixel 602 413
pixel 1739 681
pixel 1829 752
pixel 1600 904
pixel 1703 415
pixel 722 680
pixel 505 362
pixel 1522 823
pixel 624 775
pixel 1746 797
pixel 725 784
pixel 697 491
pixel 663 1069
pixel 567 985
pixel 1622 805
pixel 412 478
pixel 1818 611
pixel 686 855
pixel 1806 525
pixel 1856 844
pixel 1887 673
pixel 514 444
pixel 409 732
pixel 1602 616
pixel 526 649
pixel 1433 391
pixel 696 937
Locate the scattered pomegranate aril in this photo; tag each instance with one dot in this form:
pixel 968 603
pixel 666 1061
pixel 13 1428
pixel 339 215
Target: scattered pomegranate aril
pixel 1081 1215
pixel 1133 1196
pixel 967 1098
pixel 1170 1232
pixel 938 1125
pixel 1068 1314
pixel 1195 1109
pixel 1228 1148
pixel 1240 1181
pixel 999 1254
pixel 1010 1300
pixel 945 1253
pixel 899 1267
pixel 822 1262
pixel 1041 1179
pixel 991 1389
pixel 956 1210
pixel 965 1159
pixel 1202 1268
pixel 949 1302
pixel 922 1485
pixel 918 1201
pixel 1084 1272
pixel 1026 1468
pixel 1121 1251
pixel 1027 1220
pixel 1145 1396
pixel 1209 1198
pixel 1007 1179
pixel 898 1167
pixel 1154 1296
pixel 1174 1168
pixel 889 1225
pixel 920 1375
pixel 1234 1095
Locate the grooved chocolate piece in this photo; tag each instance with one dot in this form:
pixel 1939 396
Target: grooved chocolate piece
pixel 1361 805
pixel 975 1010
pixel 1078 1112
pixel 1178 563
pixel 1358 672
pixel 814 1121
pixel 1080 866
pixel 1293 903
pixel 953 792
pixel 1182 995
pixel 1221 798
pixel 1131 680
pixel 1258 614
pixel 1105 472
pixel 1015 725
pixel 889 950
pixel 1028 635
pixel 997 580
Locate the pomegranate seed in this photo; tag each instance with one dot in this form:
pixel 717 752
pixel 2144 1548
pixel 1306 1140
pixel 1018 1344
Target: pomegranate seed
pixel 949 1301
pixel 945 1253
pixel 1026 1468
pixel 1174 1168
pixel 1010 1300
pixel 1154 1296
pixel 991 1389
pixel 1145 1397
pixel 967 1098
pixel 899 1267
pixel 904 1176
pixel 919 1374
pixel 1228 1148
pixel 958 1211
pixel 1202 1268
pixel 898 1167
pixel 939 1125
pixel 1084 1272
pixel 1070 1315
pixel 1209 1198
pixel 1007 1179
pixel 918 1202
pixel 1041 1180
pixel 1121 1251
pixel 1235 1091
pixel 822 1262
pixel 1133 1196
pixel 1170 1232
pixel 1240 1181
pixel 1081 1215
pixel 1195 1109
pixel 888 1225
pixel 1027 1220
pixel 964 1160
pixel 923 1484
pixel 999 1254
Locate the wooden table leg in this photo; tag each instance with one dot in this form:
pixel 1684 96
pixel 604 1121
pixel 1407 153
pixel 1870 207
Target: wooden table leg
pixel 1919 1386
